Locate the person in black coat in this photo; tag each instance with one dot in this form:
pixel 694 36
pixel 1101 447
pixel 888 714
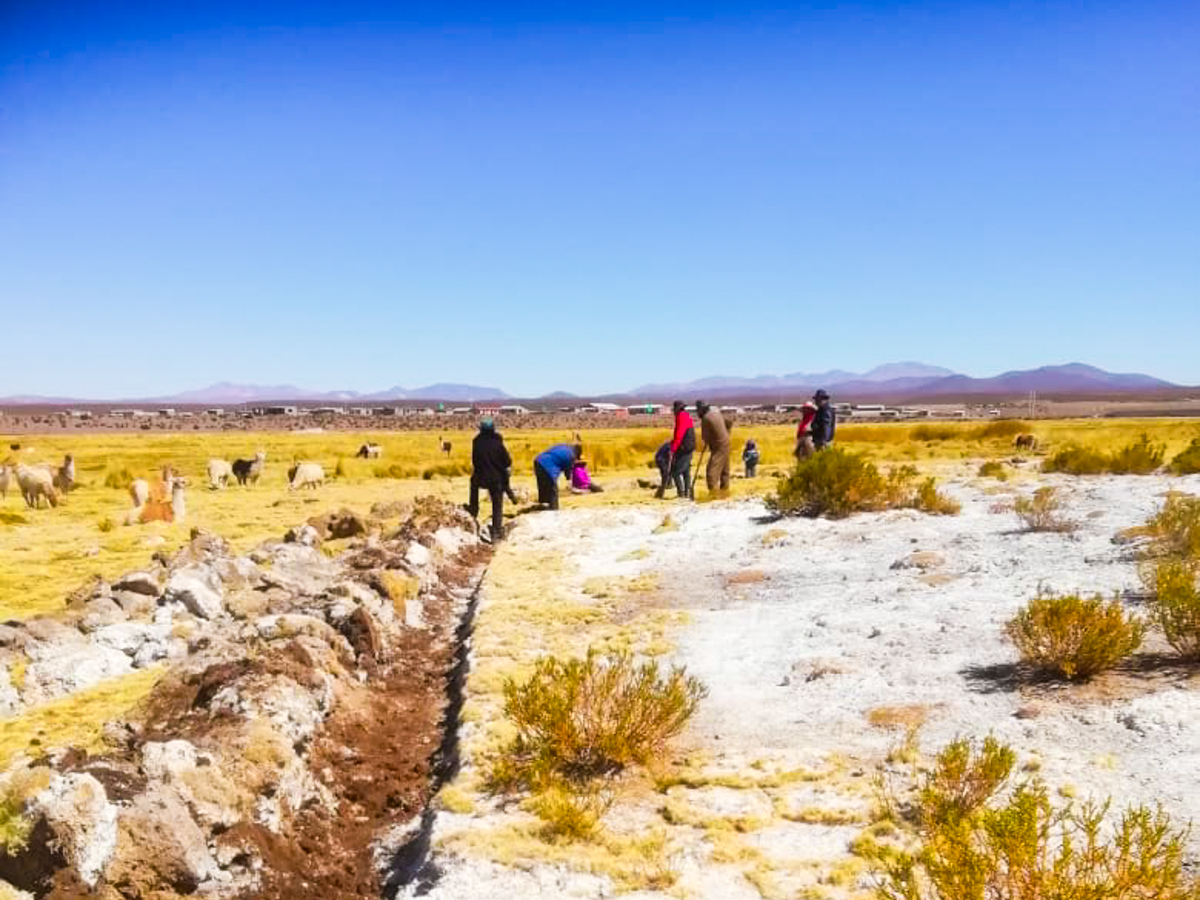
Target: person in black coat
pixel 490 464
pixel 824 423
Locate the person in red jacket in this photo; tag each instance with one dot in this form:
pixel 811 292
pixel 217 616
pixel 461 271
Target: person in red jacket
pixel 679 463
pixel 804 442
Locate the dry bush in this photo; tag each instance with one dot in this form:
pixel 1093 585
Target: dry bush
pixel 1176 606
pixel 1142 457
pixel 1074 637
pixel 119 478
pixel 964 778
pixel 446 470
pixel 571 812
pixel 934 433
pixel 993 469
pixel 1041 511
pixel 1004 428
pixel 930 500
pixel 396 470
pixel 1026 849
pixel 577 719
pixel 1077 460
pixel 1175 529
pixel 1188 461
pixel 836 483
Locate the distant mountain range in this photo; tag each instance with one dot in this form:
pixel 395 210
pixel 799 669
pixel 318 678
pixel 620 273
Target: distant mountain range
pixel 909 380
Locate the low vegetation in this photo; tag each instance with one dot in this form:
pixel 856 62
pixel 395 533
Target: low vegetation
pixel 1024 847
pixel 1176 607
pixel 1042 512
pixel 581 718
pixel 1174 531
pixel 1141 457
pixel 836 483
pixel 993 469
pixel 1188 461
pixel 1074 637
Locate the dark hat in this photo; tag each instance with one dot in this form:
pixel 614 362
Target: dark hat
pixel 487 423
pixel 822 394
pixel 677 406
pixel 701 406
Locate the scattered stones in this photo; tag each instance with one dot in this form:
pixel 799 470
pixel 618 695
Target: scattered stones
pixel 920 559
pixel 338 525
pixel 142 583
pixel 199 589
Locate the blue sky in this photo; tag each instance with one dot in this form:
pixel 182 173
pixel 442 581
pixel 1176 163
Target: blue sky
pixel 537 198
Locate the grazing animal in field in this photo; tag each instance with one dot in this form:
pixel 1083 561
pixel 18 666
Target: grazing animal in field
pixel 170 507
pixel 305 474
pixel 446 446
pixel 369 451
pixel 1025 442
pixel 248 471
pixel 7 477
pixel 64 475
pixel 37 484
pixel 219 473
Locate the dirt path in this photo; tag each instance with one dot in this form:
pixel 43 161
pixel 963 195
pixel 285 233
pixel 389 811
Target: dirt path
pixel 820 643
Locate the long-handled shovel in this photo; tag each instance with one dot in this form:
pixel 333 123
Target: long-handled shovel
pixel 696 474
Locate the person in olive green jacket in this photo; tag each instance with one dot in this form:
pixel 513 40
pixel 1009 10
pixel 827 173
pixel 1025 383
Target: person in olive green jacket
pixel 714 434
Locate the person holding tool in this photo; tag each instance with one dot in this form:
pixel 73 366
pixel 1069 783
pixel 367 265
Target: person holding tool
pixel 679 459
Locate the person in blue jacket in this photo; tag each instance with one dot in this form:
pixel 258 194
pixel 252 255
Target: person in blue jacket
pixel 547 466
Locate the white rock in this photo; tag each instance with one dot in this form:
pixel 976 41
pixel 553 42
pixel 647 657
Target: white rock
pixel 167 761
pixel 131 637
pixel 138 583
pixel 199 589
pixel 54 671
pixel 418 555
pixel 84 823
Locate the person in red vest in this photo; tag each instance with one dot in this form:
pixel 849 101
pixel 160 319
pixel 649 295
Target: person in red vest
pixel 679 459
pixel 804 442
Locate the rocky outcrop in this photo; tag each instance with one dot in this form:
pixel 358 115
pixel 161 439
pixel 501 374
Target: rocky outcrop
pixel 283 715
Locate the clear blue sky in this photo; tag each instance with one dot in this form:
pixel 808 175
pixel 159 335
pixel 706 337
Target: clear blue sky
pixel 355 195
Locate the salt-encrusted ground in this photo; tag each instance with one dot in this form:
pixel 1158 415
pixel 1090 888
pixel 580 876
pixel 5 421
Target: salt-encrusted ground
pixel 800 629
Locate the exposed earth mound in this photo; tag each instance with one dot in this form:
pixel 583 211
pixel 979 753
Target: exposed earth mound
pixel 290 745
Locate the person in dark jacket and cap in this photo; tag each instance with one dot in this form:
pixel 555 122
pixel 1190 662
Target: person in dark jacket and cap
pixel 490 464
pixel 824 422
pixel 678 468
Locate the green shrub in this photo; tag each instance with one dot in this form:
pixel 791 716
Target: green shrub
pixel 836 483
pixel 993 469
pixel 1176 607
pixel 1188 461
pixel 1041 511
pixel 577 719
pixel 964 777
pixel 1074 637
pixel 1142 457
pixel 1026 849
pixel 119 478
pixel 1077 460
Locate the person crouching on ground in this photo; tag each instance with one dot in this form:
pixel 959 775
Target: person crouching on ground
pixel 490 464
pixel 804 442
pixel 581 480
pixel 714 433
pixel 547 466
pixel 679 454
pixel 824 421
pixel 750 458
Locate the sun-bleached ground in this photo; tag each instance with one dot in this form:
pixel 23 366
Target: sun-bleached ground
pixel 805 633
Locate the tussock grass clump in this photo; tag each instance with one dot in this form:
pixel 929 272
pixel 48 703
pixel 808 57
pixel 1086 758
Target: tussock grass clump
pixel 993 469
pixel 18 786
pixel 1042 511
pixel 1074 637
pixel 1188 461
pixel 934 433
pixel 1175 529
pixel 836 483
pixel 446 470
pixel 1176 607
pixel 1025 848
pixel 577 719
pixel 571 812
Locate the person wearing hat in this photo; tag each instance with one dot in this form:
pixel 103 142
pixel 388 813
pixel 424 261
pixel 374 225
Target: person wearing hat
pixel 804 443
pixel 750 457
pixel 714 432
pixel 490 464
pixel 678 468
pixel 824 421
